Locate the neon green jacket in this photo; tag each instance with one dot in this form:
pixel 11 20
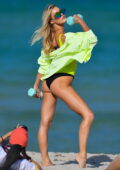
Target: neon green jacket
pixel 77 46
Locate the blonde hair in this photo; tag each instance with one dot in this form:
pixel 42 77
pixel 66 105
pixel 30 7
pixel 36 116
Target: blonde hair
pixel 45 30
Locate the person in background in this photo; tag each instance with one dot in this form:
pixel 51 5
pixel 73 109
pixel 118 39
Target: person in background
pixel 13 153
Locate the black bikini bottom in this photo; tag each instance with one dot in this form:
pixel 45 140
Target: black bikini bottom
pixel 50 79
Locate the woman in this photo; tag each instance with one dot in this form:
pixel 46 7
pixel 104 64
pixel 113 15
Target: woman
pixel 58 62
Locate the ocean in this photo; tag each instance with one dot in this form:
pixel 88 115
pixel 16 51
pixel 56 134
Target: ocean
pixel 97 82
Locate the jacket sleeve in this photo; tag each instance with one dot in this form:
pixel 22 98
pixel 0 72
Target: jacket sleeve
pixel 80 46
pixel 89 40
pixel 44 63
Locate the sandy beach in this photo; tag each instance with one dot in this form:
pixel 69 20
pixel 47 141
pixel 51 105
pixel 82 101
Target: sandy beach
pixel 66 161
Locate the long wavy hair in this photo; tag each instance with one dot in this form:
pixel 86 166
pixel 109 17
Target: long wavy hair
pixel 45 31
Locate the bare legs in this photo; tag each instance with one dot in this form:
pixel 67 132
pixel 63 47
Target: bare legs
pixel 77 104
pixel 47 114
pixel 61 88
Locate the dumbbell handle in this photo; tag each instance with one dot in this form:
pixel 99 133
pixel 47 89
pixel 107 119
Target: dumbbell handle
pixel 32 92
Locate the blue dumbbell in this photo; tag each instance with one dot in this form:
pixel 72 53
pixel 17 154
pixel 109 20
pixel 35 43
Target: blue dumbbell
pixel 70 20
pixel 32 92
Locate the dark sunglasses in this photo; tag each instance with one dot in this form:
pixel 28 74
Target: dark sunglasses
pixel 58 14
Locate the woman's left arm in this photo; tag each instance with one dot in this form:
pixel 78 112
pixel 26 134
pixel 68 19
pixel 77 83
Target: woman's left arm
pixel 80 21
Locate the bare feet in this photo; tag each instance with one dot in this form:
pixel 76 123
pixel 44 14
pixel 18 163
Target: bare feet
pixel 47 163
pixel 81 160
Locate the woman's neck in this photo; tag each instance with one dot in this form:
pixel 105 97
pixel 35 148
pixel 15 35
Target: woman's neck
pixel 58 29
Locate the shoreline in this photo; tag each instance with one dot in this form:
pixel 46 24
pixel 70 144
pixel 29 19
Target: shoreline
pixel 66 161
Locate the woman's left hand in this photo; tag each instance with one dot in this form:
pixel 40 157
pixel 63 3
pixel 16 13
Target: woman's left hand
pixel 77 19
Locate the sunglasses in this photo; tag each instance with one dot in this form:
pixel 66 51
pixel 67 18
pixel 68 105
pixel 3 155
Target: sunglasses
pixel 58 14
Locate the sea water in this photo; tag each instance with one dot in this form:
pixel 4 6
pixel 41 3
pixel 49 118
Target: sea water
pixel 97 82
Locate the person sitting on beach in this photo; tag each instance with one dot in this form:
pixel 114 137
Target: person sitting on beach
pixel 13 154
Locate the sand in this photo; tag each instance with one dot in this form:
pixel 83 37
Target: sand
pixel 66 161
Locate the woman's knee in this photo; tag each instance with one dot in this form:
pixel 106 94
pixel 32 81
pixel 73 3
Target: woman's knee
pixel 89 118
pixel 46 123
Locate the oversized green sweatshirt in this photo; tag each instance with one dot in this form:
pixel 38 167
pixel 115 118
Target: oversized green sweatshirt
pixel 77 46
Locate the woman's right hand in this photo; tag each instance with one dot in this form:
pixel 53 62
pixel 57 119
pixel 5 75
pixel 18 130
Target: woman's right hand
pixel 36 86
pixel 38 95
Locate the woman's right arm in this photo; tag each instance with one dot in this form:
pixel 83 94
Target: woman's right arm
pixel 80 21
pixel 37 83
pixel 44 63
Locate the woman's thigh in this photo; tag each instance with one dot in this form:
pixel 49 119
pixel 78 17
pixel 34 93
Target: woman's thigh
pixel 62 89
pixel 48 105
